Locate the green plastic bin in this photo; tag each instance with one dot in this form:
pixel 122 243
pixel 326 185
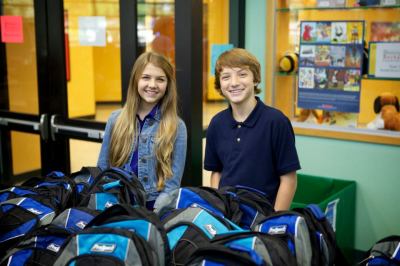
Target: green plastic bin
pixel 340 195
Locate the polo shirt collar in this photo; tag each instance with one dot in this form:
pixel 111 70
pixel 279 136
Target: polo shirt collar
pixel 251 119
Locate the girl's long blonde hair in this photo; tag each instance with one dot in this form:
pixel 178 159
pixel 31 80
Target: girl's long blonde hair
pixel 125 132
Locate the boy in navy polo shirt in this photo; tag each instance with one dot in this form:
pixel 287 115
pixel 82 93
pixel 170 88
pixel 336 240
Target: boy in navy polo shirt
pixel 250 144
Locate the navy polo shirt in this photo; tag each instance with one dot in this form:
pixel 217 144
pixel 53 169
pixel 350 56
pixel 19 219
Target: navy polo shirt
pixel 253 153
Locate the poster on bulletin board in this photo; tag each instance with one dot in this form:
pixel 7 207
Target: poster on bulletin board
pixel 384 60
pixel 330 65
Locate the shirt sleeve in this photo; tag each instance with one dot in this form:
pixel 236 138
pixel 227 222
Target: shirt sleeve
pixel 178 163
pixel 286 157
pixel 103 161
pixel 211 158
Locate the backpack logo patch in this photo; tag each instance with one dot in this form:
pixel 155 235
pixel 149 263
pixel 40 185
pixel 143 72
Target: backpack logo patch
pixel 53 247
pixel 35 211
pixel 210 229
pixel 103 247
pixel 108 204
pixel 81 224
pixel 277 230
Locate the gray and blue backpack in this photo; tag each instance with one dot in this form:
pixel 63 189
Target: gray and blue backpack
pixel 114 186
pixel 140 221
pixel 291 226
pixel 191 228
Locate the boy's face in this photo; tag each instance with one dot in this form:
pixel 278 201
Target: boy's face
pixel 237 84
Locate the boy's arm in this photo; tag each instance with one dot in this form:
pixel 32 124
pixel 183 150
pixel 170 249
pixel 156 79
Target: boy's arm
pixel 215 178
pixel 286 191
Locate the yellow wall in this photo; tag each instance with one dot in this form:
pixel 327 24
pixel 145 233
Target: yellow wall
pixel 218 33
pixel 95 71
pixel 23 89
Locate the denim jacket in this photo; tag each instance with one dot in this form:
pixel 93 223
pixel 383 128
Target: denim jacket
pixel 146 156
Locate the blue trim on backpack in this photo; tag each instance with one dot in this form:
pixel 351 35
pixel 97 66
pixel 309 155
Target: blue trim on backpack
pixel 254 256
pixel 316 211
pixel 19 231
pixel 77 216
pixel 20 257
pixel 54 184
pixel 246 242
pixel 112 185
pixel 140 227
pixel 175 234
pixel 104 199
pixel 188 198
pixel 55 174
pixel 249 214
pixel 209 224
pixel 205 262
pixel 112 244
pixel 45 241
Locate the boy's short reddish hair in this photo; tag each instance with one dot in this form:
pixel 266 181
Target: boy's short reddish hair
pixel 237 57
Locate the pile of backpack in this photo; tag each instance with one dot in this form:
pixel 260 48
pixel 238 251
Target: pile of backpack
pixel 95 216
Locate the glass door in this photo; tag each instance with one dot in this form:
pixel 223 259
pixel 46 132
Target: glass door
pixel 20 122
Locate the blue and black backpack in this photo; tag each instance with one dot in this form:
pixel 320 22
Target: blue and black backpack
pixel 271 249
pixel 220 255
pixel 253 204
pixel 291 226
pixel 83 179
pixel 322 236
pixel 142 222
pixel 106 246
pixel 385 252
pixel 54 186
pixel 20 216
pixel 205 197
pixel 40 246
pixel 191 228
pixel 114 186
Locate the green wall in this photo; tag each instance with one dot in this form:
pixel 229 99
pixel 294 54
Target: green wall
pixel 375 168
pixel 255 26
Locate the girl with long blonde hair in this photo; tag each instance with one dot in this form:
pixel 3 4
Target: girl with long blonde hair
pixel 146 136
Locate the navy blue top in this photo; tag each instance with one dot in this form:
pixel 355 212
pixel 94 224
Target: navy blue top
pixel 254 153
pixel 135 156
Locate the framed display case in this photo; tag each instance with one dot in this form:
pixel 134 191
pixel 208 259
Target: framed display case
pixel 302 31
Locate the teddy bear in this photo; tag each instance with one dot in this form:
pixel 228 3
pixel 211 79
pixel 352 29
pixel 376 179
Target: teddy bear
pixel 387 108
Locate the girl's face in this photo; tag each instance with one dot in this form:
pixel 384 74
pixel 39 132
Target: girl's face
pixel 152 84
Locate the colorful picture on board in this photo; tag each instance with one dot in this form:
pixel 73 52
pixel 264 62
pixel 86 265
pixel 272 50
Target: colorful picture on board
pixel 353 56
pixel 308 32
pixel 385 32
pixel 324 32
pixel 355 32
pixel 320 78
pixel 336 79
pixel 338 55
pixel 322 55
pixel 306 77
pixel 339 32
pixel 352 80
pixel 307 55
